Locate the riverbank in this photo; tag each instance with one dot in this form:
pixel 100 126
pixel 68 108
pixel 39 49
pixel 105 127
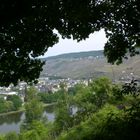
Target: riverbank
pixel 13 122
pixel 22 110
pixel 12 112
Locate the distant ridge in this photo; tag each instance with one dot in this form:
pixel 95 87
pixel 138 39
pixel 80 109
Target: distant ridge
pixel 76 55
pixel 84 65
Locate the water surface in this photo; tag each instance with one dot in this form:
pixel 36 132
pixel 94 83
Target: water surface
pixel 12 122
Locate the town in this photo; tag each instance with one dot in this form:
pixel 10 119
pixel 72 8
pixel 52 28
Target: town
pixel 44 85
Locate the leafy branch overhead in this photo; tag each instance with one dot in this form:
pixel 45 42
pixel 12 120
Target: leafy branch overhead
pixel 27 31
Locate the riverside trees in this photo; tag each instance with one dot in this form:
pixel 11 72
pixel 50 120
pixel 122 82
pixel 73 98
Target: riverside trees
pixel 110 118
pixel 12 103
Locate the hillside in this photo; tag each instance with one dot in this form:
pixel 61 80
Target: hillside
pixel 77 55
pixel 88 65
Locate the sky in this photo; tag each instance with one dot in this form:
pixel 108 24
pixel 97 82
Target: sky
pixel 95 41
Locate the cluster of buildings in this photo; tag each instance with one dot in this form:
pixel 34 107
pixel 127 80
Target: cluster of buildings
pixel 52 86
pixel 44 85
pixel 127 77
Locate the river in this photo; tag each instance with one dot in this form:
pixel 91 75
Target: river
pixel 12 122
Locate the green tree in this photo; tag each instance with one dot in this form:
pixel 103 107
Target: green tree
pixel 85 103
pixel 63 119
pixel 29 135
pixel 27 31
pixel 16 100
pixel 40 128
pixel 2 102
pixel 34 127
pixel 1 138
pixel 51 98
pixel 63 112
pixel 6 106
pixel 101 90
pixel 109 123
pixel 37 131
pixel 9 106
pixel 11 136
pixel 34 110
pixel 31 94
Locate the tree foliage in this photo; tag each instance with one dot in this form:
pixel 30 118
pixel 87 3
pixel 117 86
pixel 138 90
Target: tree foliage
pixel 31 94
pixel 107 124
pixel 104 111
pixel 11 136
pixel 6 106
pixel 51 98
pixel 33 109
pixel 16 100
pixel 101 89
pixel 27 31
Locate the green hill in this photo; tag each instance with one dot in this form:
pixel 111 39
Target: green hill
pixel 77 55
pixel 88 65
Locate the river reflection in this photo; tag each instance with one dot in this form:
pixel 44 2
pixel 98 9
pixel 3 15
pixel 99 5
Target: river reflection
pixel 12 118
pixel 12 122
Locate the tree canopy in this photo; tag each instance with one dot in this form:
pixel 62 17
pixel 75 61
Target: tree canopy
pixel 27 31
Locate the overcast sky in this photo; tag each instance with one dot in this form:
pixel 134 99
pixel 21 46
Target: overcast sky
pixel 95 41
